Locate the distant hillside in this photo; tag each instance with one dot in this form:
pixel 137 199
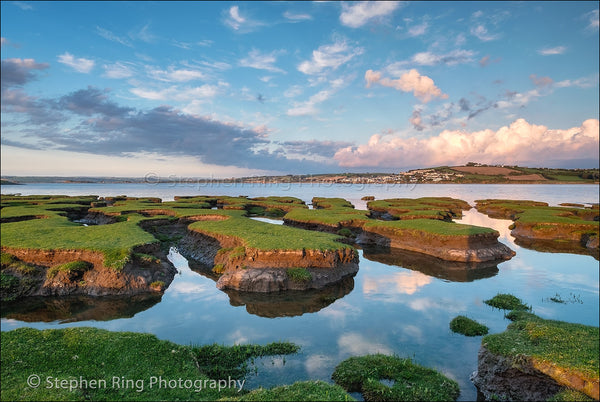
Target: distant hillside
pixel 4 182
pixel 480 173
pixel 470 173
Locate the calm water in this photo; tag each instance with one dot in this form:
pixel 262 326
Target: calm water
pixel 397 304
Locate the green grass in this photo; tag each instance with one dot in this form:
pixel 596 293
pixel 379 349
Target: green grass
pixel 331 203
pixel 505 301
pixel 411 381
pixel 57 232
pixel 78 353
pixel 10 262
pixel 420 215
pixel 146 258
pixel 266 236
pixel 299 275
pixel 218 268
pixel 218 361
pixel 69 267
pixel 298 391
pixel 570 395
pixel 433 226
pixel 527 211
pixel 331 217
pixel 573 347
pixel 8 285
pixel 468 327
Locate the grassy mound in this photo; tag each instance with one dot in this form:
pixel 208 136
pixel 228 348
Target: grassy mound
pixel 466 326
pixel 504 301
pixel 411 382
pixel 45 222
pixel 442 208
pixel 127 362
pixel 299 391
pixel 536 221
pixel 431 215
pixel 53 230
pixel 567 352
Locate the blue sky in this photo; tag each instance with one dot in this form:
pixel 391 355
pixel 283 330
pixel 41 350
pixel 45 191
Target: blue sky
pixel 221 89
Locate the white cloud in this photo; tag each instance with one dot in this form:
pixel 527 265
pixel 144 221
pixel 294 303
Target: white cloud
pixel 117 70
pixel 457 56
pixel 389 286
pixel 143 34
pixel 238 22
pixel 481 32
pixel 293 91
pixel 421 86
pixel 295 17
pixel 177 93
pixel 357 344
pixel 23 5
pixel 520 142
pixel 360 13
pixel 585 82
pixel 549 51
pixel 182 45
pixel 329 57
pixel 3 41
pixel 418 30
pixel 176 75
pixel 593 20
pixel 81 65
pixel 261 61
pixel 309 107
pixel 106 34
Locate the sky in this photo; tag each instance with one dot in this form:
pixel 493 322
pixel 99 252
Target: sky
pixel 230 89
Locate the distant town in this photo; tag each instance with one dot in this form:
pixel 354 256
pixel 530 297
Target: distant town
pixel 470 173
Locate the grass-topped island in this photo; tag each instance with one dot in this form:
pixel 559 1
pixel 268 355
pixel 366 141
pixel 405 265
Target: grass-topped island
pixel 422 225
pixel 122 237
pixel 58 245
pixel 567 228
pixel 47 252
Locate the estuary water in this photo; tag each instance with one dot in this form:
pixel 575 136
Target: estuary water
pixel 398 303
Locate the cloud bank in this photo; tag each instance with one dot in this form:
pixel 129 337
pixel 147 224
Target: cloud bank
pixel 519 143
pixel 97 125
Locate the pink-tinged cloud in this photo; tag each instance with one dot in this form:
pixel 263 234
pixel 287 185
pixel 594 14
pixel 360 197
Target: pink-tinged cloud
pixel 521 142
pixel 421 86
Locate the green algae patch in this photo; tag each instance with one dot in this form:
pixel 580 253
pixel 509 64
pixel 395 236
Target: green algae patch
pixel 544 228
pixel 528 211
pixel 433 226
pixel 567 352
pixel 299 275
pixel 505 301
pixel 328 217
pixel 298 391
pixel 468 327
pixel 442 208
pixel 410 382
pixel 429 215
pixel 218 361
pixel 55 231
pixel 127 362
pixel 266 236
